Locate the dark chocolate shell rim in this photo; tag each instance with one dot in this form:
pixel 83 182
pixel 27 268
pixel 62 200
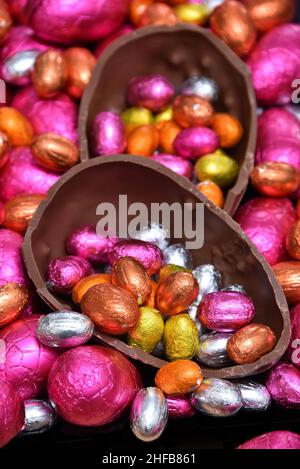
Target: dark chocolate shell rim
pixel 55 303
pixel 236 192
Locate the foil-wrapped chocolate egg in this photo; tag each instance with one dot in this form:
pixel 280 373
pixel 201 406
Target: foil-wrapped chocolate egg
pixel 176 293
pixel 169 269
pixel 180 407
pixel 148 254
pixel 163 116
pixel 143 140
pixel 293 241
pixel 55 152
pixel 192 111
pixel 11 412
pixel 217 398
pixel 49 73
pixel 148 331
pixel 181 337
pixel 200 86
pixel 217 167
pixel 179 377
pixel 293 351
pixel 283 383
pixel 195 142
pixel 288 276
pixel 111 308
pixel 136 10
pixel 92 385
pixel 128 273
pixel 255 396
pixel 6 20
pixel 13 300
pixel 177 254
pixel 280 151
pixel 64 329
pixel 273 440
pixel 79 63
pixel 4 147
pixel 108 134
pixel 19 211
pixel 192 13
pixel 16 126
pixel 235 287
pixel 209 280
pixel 226 311
pixel 212 349
pixel 11 260
pixel 86 283
pixel 250 343
pixel 155 234
pixel 137 116
pixel 177 164
pixel 149 414
pixel 276 124
pixel 275 179
pixel 150 91
pixel 267 15
pixel 157 14
pixel 65 272
pixel 228 128
pixel 40 416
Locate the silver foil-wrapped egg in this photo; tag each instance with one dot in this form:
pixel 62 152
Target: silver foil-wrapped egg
pixel 153 233
pixel 217 397
pixel 235 287
pixel 39 416
pixel 201 86
pixel 255 396
pixel 19 65
pixel 149 414
pixel 209 280
pixel 177 254
pixel 212 349
pixel 64 329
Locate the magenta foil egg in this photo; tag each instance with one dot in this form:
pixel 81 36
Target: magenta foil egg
pixel 92 385
pixel 127 28
pixel 57 115
pixel 195 142
pixel 179 165
pixel 11 262
pixel 283 384
pixel 151 91
pixel 276 124
pixel 149 255
pixel 75 20
pixel 293 351
pixel 284 151
pixel 27 362
pixel 226 311
pixel 86 243
pixel 108 134
pixel 65 272
pixel 180 407
pixel 286 35
pixel 22 175
pixel 12 413
pixel 280 439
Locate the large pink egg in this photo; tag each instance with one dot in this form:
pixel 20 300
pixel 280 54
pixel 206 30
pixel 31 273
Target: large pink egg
pixel 104 44
pixel 11 262
pixel 11 413
pixel 286 35
pixel 27 362
pixel 23 175
pixel 293 351
pixel 283 383
pixel 58 115
pixel 276 124
pixel 72 21
pixel 280 439
pixel 92 385
pixel 283 150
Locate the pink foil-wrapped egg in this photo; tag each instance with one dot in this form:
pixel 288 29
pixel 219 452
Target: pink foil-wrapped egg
pixel 179 165
pixel 151 91
pixel 283 383
pixel 284 151
pixel 86 243
pixel 293 352
pixel 11 261
pixel 18 55
pixel 149 255
pixel 75 20
pixel 226 311
pixel 57 115
pixel 276 124
pixel 92 385
pixel 267 222
pixel 64 272
pixel 286 35
pixel 180 407
pixel 280 439
pixel 27 362
pixel 108 134
pixel 195 142
pixel 17 8
pixel 22 175
pixel 104 44
pixel 11 413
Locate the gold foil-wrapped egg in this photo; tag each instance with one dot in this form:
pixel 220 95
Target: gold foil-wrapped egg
pixel 180 337
pixel 49 73
pixel 148 331
pixel 217 167
pixel 55 152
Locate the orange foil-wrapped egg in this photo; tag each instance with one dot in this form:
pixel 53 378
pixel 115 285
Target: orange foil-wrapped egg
pixel 143 140
pixel 79 64
pixel 6 21
pixel 176 293
pixel 232 22
pixel 16 126
pixel 128 273
pixel 167 133
pixel 275 179
pixel 151 299
pixel 250 343
pixel 19 211
pixel 288 275
pixel 192 111
pixel 212 191
pixel 111 308
pixel 4 147
pixel 136 10
pixel 158 14
pixel 55 152
pixel 86 283
pixel 266 14
pixel 179 377
pixel 293 241
pixel 49 73
pixel 228 128
pixel 13 300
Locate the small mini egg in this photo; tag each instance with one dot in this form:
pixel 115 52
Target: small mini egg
pixel 153 233
pixel 149 414
pixel 255 396
pixel 192 111
pixel 128 273
pixel 164 116
pixel 293 241
pixel 177 254
pixel 275 179
pixel 65 272
pixel 180 407
pixel 137 116
pixel 200 86
pixel 181 338
pixel 158 14
pixel 49 73
pixel 177 164
pixel 79 63
pixel 55 152
pixel 179 377
pixel 169 269
pixel 64 329
pixel 250 343
pixel 150 91
pixel 212 349
pixel 217 398
pixel 218 168
pixel 148 254
pixel 228 128
pixel 288 276
pixel 192 13
pixel 40 416
pixel 19 211
pixel 212 191
pixel 136 10
pixel 195 142
pixel 16 126
pixel 168 132
pixel 143 140
pixel 13 300
pixel 176 292
pixel 108 134
pixel 148 331
pixel 86 283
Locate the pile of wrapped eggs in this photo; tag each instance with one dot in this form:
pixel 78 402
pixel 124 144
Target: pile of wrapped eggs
pixel 174 129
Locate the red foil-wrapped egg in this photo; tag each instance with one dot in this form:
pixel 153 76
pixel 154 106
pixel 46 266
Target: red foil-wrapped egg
pixel 283 383
pixel 147 254
pixel 176 293
pixel 11 413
